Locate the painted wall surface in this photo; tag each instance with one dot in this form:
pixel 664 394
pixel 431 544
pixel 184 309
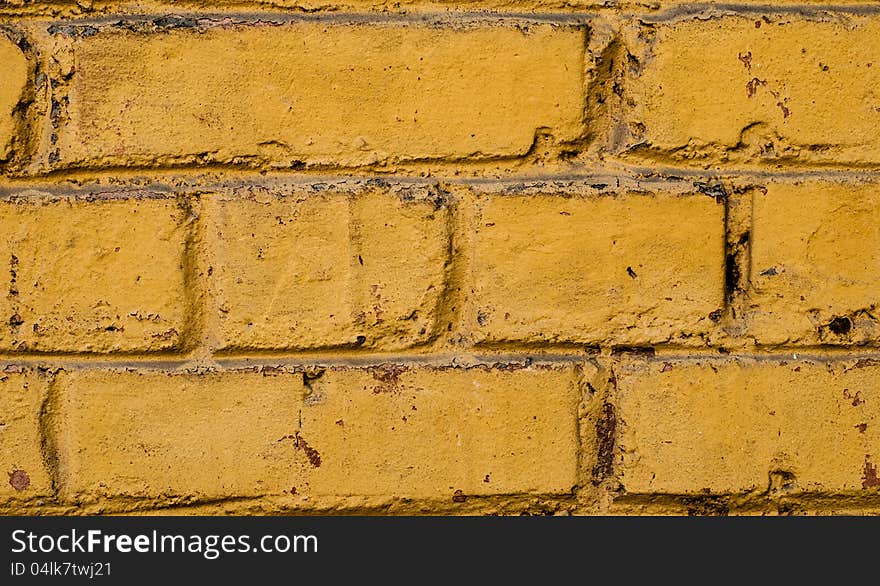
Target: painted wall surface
pixel 464 257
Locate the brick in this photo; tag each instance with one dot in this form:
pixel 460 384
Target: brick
pixel 92 275
pixel 815 263
pixel 332 269
pixel 748 425
pixel 627 268
pixel 759 90
pixel 384 432
pixel 320 93
pixel 12 86
pixel 69 8
pixel 23 474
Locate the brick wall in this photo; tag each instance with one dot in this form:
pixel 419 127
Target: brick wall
pixel 439 257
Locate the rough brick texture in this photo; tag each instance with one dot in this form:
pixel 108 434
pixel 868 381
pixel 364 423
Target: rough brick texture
pixel 327 269
pixel 816 265
pixel 22 395
pixel 307 86
pixel 458 257
pixel 607 268
pixel 697 427
pixel 93 275
pixel 12 86
pixel 379 433
pixel 748 89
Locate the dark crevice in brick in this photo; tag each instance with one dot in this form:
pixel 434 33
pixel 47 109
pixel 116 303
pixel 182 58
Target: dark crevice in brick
pixel 713 190
pixel 310 376
pixel 701 506
pixel 633 350
pixel 737 246
pixel 606 434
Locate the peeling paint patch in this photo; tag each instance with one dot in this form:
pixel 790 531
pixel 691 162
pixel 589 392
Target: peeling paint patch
pixel 311 453
pixel 870 479
pixel 19 479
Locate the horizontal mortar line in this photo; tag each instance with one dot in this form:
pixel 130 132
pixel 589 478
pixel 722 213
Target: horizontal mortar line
pixel 749 500
pixel 284 16
pixel 187 165
pixel 324 504
pixel 817 353
pixel 867 173
pixel 476 358
pixel 196 184
pixel 515 352
pixel 415 167
pixel 192 182
pixel 178 184
pixel 291 360
pixel 453 358
pixel 413 14
pixel 132 504
pixel 756 352
pixel 737 501
pixel 685 10
pixel 672 172
pixel 768 353
pixel 156 191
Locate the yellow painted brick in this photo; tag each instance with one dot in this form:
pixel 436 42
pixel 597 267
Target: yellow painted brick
pixel 330 269
pixel 92 275
pixel 115 7
pixel 815 263
pixel 738 426
pixel 12 85
pixel 23 474
pixel 746 89
pixel 629 268
pixel 379 433
pixel 321 94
